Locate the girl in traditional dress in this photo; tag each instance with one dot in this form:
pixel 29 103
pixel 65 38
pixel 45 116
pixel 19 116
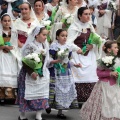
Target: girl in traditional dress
pixel 79 33
pixel 62 88
pixel 33 89
pixel 8 61
pixel 103 103
pixel 67 11
pixel 39 11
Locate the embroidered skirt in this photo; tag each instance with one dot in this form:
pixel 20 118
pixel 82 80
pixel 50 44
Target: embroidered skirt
pixel 92 108
pixel 83 91
pixel 28 105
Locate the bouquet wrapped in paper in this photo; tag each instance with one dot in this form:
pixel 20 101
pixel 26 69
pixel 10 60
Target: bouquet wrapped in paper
pixel 47 24
pixel 67 20
pixel 63 56
pixel 93 39
pixel 35 62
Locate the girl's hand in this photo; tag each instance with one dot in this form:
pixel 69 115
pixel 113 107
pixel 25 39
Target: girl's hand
pixel 79 51
pixel 34 75
pixel 7 48
pixel 56 61
pixel 78 65
pixel 89 47
pixel 114 74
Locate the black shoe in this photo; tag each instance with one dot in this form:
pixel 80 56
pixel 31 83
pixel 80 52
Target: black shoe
pixel 2 102
pixel 48 110
pixel 22 119
pixel 61 116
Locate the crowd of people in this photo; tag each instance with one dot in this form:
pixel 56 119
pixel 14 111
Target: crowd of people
pixel 59 54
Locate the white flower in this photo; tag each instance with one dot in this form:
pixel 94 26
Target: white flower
pixel 34 55
pixel 46 23
pixel 70 20
pixel 66 60
pixel 44 52
pixel 60 52
pixel 28 56
pixel 37 59
pixel 66 16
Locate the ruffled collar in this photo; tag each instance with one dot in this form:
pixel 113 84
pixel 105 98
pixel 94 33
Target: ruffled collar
pixel 56 46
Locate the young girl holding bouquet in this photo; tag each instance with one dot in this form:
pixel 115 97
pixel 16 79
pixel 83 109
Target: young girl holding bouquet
pixel 62 88
pixel 104 101
pixel 8 61
pixel 33 81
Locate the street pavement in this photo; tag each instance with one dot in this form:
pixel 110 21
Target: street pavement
pixel 11 112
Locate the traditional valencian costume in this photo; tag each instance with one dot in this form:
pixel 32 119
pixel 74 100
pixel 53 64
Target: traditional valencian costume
pixel 62 88
pixel 33 94
pixel 8 64
pixel 84 77
pixel 103 103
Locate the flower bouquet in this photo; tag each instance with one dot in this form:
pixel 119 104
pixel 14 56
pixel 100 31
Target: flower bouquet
pixel 63 56
pixel 47 24
pixel 112 5
pixel 35 62
pixel 93 39
pixel 108 61
pixel 67 20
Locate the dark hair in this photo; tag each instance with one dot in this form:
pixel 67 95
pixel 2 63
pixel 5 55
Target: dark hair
pixel 58 32
pixel 81 10
pixel 39 1
pixel 67 1
pixel 94 25
pixel 92 7
pixel 29 5
pixel 4 15
pixel 108 45
pixel 41 29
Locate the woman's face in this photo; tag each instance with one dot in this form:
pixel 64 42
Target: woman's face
pixel 73 2
pixel 25 10
pixel 114 49
pixel 6 22
pixel 38 7
pixel 85 16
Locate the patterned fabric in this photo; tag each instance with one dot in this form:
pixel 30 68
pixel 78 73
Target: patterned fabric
pixel 91 110
pixel 53 103
pixel 28 105
pixel 83 91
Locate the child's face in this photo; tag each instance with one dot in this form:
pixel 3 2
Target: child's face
pixel 38 7
pixel 41 37
pixel 91 11
pixel 6 22
pixel 62 37
pixel 114 49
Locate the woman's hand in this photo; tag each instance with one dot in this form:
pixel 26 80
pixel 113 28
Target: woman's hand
pixel 79 51
pixel 34 75
pixel 89 47
pixel 7 48
pixel 55 61
pixel 114 74
pixel 78 65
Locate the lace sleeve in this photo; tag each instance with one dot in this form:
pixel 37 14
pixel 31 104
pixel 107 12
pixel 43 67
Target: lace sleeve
pixel 29 49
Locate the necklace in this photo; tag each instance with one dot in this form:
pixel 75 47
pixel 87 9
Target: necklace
pixel 26 19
